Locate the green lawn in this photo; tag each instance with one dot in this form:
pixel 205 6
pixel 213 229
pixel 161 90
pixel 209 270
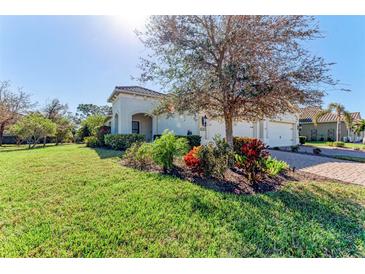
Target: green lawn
pixel 347 145
pixel 73 201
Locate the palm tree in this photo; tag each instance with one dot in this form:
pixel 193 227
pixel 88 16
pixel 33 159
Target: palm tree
pixel 341 115
pixel 360 127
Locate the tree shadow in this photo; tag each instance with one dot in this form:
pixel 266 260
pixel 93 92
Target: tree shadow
pixel 105 153
pixel 300 222
pixel 4 149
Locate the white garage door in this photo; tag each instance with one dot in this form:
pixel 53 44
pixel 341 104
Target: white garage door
pixel 241 129
pixel 280 134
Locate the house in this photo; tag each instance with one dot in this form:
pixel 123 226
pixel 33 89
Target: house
pixel 326 127
pixel 132 112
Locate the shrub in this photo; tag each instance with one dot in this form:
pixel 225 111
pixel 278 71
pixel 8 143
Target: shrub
pixel 122 141
pixel 317 151
pixel 302 139
pixel 274 167
pixel 330 144
pixel 92 141
pixel 339 144
pixel 251 159
pixel 82 132
pixel 102 131
pixel 166 148
pixel 216 157
pixel 93 123
pixel 139 155
pixel 192 160
pixel 238 142
pixel 193 140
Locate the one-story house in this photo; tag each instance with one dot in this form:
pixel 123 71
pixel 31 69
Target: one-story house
pixel 132 112
pixel 326 127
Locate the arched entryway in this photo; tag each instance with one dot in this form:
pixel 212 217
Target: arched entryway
pixel 142 124
pixel 116 123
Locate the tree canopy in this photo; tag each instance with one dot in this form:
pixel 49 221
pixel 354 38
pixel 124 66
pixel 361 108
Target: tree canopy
pixel 235 67
pixel 33 127
pixel 12 106
pixel 85 110
pixel 93 123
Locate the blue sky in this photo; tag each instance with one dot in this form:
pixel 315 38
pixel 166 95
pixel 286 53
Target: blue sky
pixel 79 59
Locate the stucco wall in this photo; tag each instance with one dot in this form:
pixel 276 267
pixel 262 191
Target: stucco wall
pixel 178 123
pixel 128 105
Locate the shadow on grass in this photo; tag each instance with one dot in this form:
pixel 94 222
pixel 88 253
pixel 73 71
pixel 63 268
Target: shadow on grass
pixel 305 221
pixel 300 220
pixel 105 153
pixel 14 148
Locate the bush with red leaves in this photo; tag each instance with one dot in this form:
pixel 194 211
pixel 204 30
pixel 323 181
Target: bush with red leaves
pixel 251 159
pixel 192 160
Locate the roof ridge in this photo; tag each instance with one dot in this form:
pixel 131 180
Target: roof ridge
pixel 130 87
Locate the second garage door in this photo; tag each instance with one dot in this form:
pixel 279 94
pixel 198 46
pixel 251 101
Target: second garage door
pixel 280 134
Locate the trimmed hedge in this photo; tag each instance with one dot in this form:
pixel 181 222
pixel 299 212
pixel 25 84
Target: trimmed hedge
pixel 193 140
pixel 335 144
pixel 9 139
pixel 302 139
pixel 122 141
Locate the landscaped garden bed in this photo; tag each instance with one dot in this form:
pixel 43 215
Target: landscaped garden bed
pixel 246 169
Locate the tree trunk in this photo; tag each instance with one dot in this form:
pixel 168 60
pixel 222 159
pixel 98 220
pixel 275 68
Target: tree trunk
pixel 228 121
pixel 44 141
pixel 35 142
pixel 338 131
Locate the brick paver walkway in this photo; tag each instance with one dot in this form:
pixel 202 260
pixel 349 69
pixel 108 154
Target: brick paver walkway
pixel 346 171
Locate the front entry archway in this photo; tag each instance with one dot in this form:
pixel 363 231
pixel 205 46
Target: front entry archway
pixel 142 124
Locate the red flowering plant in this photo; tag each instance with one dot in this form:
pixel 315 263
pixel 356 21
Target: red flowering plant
pixel 192 159
pixel 251 159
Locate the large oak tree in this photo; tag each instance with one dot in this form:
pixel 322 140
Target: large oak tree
pixel 235 68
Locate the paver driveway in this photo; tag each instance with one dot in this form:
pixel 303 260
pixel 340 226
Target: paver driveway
pixel 346 171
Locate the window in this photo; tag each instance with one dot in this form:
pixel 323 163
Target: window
pixel 135 127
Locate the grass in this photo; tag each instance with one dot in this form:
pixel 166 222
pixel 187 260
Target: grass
pixel 347 145
pixel 350 158
pixel 72 201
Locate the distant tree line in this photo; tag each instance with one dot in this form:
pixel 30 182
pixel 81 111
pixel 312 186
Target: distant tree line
pixel 51 123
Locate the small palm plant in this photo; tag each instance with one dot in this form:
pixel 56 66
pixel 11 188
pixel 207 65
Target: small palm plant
pixel 359 126
pixel 341 115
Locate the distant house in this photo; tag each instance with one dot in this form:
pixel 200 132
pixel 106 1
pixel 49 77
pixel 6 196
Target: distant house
pixel 327 125
pixel 133 113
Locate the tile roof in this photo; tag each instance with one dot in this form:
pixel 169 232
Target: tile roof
pixel 137 90
pixel 307 115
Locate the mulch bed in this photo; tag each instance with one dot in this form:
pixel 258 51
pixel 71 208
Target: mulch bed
pixel 234 182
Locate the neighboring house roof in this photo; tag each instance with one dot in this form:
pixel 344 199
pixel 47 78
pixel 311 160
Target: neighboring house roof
pixel 307 115
pixel 135 90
